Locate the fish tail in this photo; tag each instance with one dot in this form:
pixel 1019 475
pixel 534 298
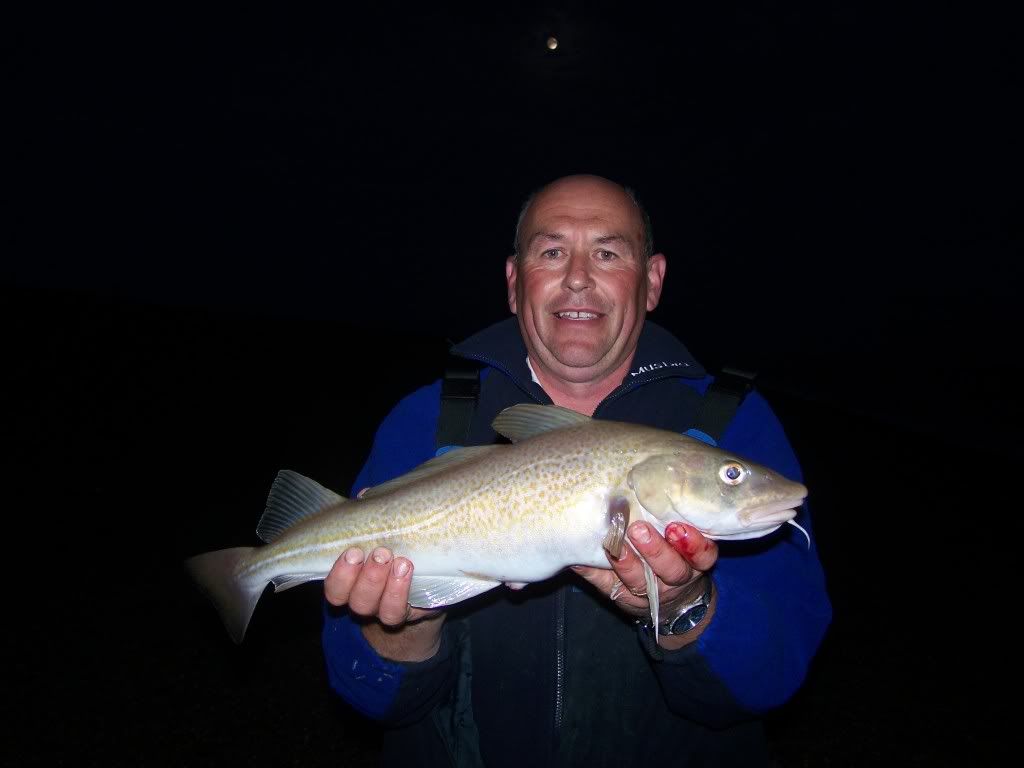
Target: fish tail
pixel 216 573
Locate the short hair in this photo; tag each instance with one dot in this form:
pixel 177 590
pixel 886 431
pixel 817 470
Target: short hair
pixel 647 247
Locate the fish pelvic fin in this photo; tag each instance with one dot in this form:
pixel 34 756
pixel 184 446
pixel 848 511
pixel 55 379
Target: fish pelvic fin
pixel 293 498
pixel 235 600
pixel 651 583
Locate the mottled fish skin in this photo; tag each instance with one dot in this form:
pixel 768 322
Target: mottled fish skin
pixel 521 513
pixel 509 513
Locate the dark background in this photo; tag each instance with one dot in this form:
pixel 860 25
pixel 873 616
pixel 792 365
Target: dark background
pixel 236 236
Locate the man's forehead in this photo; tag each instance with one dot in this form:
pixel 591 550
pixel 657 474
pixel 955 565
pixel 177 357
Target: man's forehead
pixel 597 205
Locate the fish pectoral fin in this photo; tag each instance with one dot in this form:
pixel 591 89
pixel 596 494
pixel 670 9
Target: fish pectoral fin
pixel 618 519
pixel 446 460
pixel 293 498
pixel 289 580
pixel 435 591
pixel 518 422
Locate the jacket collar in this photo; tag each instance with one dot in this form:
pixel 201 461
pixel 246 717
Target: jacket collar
pixel 659 355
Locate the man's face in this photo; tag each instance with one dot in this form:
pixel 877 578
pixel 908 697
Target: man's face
pixel 580 288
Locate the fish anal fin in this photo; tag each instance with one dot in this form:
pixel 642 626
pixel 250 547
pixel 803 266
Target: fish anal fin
pixel 452 458
pixel 289 580
pixel 292 499
pixel 518 422
pixel 436 591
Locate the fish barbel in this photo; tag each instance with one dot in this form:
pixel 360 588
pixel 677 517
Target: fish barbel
pixel 473 518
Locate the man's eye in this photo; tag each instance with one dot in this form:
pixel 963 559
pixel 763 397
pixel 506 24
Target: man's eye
pixel 551 253
pixel 607 255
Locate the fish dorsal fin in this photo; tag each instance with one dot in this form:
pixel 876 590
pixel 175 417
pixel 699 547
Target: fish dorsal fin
pixel 448 459
pixel 293 498
pixel 519 422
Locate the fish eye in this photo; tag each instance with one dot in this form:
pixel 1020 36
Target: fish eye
pixel 732 473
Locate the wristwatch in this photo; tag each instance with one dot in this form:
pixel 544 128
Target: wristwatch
pixel 685 617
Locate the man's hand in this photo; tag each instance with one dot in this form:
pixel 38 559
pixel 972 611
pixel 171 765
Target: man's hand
pixel 679 561
pixel 377 589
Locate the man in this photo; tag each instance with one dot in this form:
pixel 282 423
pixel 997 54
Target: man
pixel 559 673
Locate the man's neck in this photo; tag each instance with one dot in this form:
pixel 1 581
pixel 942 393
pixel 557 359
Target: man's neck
pixel 582 397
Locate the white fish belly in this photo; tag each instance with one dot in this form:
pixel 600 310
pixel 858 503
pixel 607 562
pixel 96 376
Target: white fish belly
pixel 533 550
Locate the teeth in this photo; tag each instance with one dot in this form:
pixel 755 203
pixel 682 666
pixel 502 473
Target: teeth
pixel 577 315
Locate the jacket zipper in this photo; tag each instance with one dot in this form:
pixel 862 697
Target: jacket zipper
pixel 559 660
pixel 560 596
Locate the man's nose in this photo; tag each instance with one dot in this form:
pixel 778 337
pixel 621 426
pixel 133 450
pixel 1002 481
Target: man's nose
pixel 577 275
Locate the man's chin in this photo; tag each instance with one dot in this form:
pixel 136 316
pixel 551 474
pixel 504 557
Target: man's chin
pixel 578 354
pixel 578 365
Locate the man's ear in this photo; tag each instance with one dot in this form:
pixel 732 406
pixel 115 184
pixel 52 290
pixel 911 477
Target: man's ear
pixel 510 280
pixel 655 279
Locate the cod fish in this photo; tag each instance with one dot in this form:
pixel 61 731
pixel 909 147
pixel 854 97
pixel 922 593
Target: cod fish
pixel 560 494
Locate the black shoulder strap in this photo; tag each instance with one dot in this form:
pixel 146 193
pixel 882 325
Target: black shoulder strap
pixel 722 400
pixel 460 390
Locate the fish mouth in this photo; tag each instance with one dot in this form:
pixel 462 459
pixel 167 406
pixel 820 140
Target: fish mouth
pixel 770 514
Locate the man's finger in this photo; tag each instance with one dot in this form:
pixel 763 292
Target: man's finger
pixel 700 552
pixel 339 582
pixel 369 587
pixel 608 583
pixel 601 578
pixel 663 559
pixel 394 603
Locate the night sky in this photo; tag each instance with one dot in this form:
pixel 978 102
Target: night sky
pixel 235 236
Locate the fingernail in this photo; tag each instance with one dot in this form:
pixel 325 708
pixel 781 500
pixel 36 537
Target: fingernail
pixel 381 555
pixel 640 532
pixel 401 567
pixel 354 556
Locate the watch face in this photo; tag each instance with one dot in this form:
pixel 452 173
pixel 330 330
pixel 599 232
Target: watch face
pixel 688 620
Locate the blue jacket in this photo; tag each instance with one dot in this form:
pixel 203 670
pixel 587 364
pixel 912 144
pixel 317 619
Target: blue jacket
pixel 556 675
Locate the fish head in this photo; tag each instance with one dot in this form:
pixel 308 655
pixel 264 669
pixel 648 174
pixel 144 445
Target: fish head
pixel 720 494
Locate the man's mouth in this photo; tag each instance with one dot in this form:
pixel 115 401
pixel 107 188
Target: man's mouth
pixel 572 314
